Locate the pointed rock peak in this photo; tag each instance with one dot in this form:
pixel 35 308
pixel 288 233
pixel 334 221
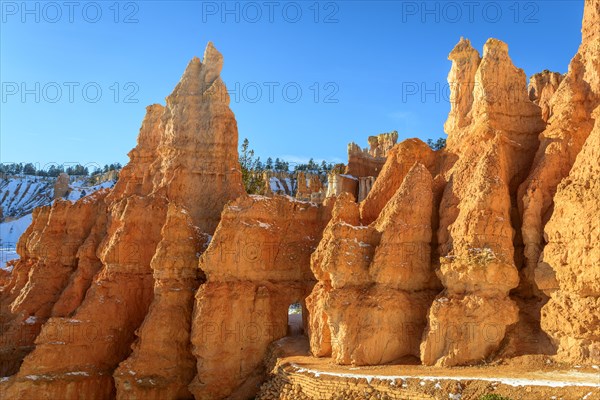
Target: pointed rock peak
pixel 212 56
pixel 463 49
pixel 213 64
pixel 200 76
pixel 494 47
pixel 190 75
pixel 412 198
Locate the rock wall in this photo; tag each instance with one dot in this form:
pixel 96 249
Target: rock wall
pixel 309 184
pixel 568 127
pixel 341 183
pixel 375 281
pixel 477 213
pixel 256 265
pixel 542 87
pixel 364 187
pixel 369 161
pixel 569 269
pixel 304 186
pixel 400 160
pixel 53 273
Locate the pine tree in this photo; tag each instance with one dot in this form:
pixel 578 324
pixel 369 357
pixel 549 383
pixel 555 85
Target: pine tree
pixel 251 169
pixel 439 144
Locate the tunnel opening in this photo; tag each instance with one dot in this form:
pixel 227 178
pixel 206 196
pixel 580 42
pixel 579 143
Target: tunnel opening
pixel 295 320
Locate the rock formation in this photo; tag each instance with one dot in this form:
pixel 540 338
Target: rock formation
pixel 569 125
pixel 341 183
pixel 174 284
pixel 307 185
pixel 365 184
pixel 185 162
pixel 363 167
pixel 369 161
pixel 256 266
pixel 569 269
pixel 61 186
pixel 52 275
pixel 278 183
pixel 400 160
pixel 461 79
pixel 476 223
pixel 542 87
pixel 304 186
pixel 375 281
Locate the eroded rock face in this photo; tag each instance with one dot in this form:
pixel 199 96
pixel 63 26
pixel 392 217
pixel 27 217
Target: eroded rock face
pixel 174 283
pixel 572 256
pixel 369 161
pixel 341 183
pixel 399 161
pixel 197 169
pixel 53 272
pixel 309 184
pixel 465 61
pixel 542 87
pixel 476 235
pixel 568 128
pixel 182 172
pixel 61 186
pixel 256 265
pixel 375 281
pixel 161 364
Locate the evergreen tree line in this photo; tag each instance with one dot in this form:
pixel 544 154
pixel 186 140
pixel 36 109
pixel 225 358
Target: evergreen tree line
pixel 252 168
pixel 250 163
pixel 55 170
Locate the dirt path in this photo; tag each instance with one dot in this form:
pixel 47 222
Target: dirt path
pixel 506 374
pixel 521 378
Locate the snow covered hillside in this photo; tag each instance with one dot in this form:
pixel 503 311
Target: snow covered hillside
pixel 19 195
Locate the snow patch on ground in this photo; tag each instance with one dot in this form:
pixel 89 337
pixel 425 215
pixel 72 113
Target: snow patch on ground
pixel 79 191
pixel 11 231
pixel 585 379
pixel 77 373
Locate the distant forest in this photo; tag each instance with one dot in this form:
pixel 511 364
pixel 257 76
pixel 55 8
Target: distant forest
pixel 54 170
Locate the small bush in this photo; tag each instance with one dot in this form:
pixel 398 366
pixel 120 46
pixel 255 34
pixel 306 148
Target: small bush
pixel 493 397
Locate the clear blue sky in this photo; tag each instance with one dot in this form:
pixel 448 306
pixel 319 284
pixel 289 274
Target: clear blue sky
pixel 364 55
